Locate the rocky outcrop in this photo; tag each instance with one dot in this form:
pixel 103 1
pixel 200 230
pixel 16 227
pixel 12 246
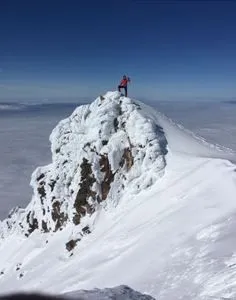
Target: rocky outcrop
pixel 108 176
pixel 127 158
pixel 98 153
pixel 71 244
pixel 81 204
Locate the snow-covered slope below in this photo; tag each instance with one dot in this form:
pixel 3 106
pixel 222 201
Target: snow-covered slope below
pixel 181 140
pixel 165 227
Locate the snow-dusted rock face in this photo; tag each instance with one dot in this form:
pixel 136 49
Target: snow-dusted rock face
pixel 99 153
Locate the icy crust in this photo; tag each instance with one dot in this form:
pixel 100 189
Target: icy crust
pixel 99 153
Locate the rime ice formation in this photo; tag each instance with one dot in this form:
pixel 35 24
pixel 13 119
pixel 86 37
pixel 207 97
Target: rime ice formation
pixel 99 153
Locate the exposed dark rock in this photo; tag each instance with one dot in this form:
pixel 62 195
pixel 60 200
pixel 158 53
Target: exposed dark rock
pixel 71 244
pixel 104 142
pixel 32 225
pixel 76 219
pixel 119 110
pixel 18 266
pixel 86 230
pixel 98 199
pixel 115 123
pixel 28 217
pixel 57 150
pixel 127 158
pixel 41 177
pixel 86 169
pixel 86 145
pixel 108 176
pixel 56 210
pixel 44 226
pixel 52 184
pixel 41 191
pixel 81 202
pixel 58 217
pixel 123 124
pixel 8 225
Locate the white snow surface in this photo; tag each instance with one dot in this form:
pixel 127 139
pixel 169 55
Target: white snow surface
pixel 167 227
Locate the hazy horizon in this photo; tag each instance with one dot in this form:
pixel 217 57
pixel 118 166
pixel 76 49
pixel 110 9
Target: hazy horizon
pixel 88 99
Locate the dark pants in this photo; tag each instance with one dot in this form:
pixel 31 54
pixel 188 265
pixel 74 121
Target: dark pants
pixel 123 87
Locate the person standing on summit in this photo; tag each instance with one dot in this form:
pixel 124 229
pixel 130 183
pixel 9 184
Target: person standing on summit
pixel 123 84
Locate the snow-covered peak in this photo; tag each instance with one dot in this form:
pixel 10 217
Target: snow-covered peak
pixel 101 152
pixel 158 202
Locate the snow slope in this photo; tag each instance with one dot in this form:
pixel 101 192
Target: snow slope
pixel 165 226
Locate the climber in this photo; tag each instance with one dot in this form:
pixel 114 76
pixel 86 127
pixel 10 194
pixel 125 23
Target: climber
pixel 123 84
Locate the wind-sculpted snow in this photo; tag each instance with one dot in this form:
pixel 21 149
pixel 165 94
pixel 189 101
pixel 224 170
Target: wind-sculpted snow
pixel 184 141
pixel 98 153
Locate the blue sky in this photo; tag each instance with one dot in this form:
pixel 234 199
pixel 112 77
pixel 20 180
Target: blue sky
pixel 172 50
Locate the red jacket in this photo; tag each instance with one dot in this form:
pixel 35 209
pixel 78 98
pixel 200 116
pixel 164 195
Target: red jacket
pixel 124 82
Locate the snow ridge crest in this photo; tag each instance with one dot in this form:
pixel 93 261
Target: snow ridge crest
pixel 100 153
